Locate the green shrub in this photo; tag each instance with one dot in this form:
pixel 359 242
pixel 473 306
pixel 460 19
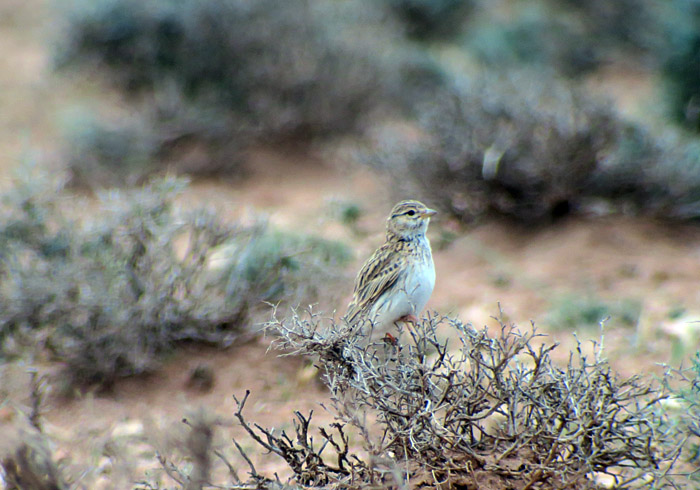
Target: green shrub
pixel 575 37
pixel 662 36
pixel 276 266
pixel 110 295
pixel 106 154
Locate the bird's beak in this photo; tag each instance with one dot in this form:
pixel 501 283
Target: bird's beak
pixel 429 212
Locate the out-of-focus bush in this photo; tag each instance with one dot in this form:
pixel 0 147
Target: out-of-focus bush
pixel 99 152
pixel 521 146
pixel 534 148
pixel 171 134
pixel 533 36
pixel 291 68
pixel 624 25
pixel 109 295
pixel 683 73
pixel 573 37
pixel 578 311
pixel 644 173
pixel 682 65
pixel 240 73
pixel 429 19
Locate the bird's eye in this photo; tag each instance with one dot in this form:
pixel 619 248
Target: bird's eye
pixel 411 212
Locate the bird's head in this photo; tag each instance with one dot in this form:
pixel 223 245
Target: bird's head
pixel 409 219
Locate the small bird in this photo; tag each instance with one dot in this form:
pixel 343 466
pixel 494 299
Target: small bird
pixel 397 280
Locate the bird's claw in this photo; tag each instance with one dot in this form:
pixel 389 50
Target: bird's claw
pixel 410 319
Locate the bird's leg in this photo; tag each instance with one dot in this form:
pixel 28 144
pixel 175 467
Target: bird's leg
pixel 390 339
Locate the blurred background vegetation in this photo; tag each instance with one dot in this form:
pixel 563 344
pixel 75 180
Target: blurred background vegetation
pixel 498 92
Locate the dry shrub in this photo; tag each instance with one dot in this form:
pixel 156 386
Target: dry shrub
pixel 108 296
pixel 196 446
pixel 534 148
pixel 268 71
pixel 522 146
pixel 288 67
pixel 34 455
pixel 480 411
pixel 656 175
pixel 168 133
pixel 26 459
pixel 30 464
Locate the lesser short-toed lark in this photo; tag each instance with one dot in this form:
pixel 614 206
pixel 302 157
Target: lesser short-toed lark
pixel 397 280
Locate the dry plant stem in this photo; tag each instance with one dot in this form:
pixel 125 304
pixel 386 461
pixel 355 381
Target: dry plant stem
pixel 253 472
pixel 171 470
pixel 304 459
pixel 246 426
pixel 30 465
pixel 37 398
pixel 231 470
pixel 198 447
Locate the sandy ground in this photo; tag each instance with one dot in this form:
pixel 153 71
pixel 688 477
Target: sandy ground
pixel 527 271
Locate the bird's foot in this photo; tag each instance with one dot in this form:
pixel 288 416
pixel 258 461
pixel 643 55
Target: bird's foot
pixel 390 339
pixel 410 319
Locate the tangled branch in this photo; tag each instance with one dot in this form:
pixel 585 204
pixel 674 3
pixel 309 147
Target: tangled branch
pixel 493 404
